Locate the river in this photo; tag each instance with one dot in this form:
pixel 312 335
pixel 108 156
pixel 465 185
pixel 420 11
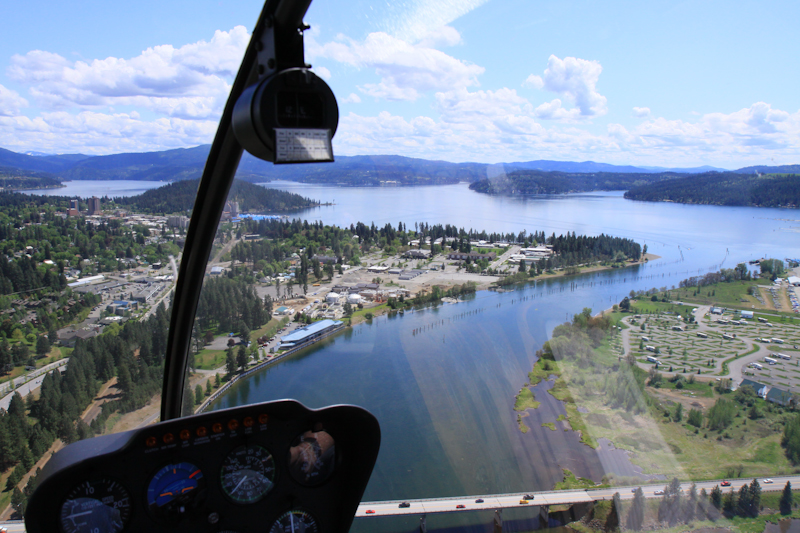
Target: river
pixel 442 380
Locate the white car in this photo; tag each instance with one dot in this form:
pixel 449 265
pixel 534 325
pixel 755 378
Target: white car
pixel 768 480
pixel 658 492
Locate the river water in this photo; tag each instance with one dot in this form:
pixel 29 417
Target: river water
pixel 442 380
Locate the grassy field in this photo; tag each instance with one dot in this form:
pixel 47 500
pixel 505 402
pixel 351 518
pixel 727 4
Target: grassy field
pixel 724 294
pixel 642 419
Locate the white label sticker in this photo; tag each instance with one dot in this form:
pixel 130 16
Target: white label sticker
pixel 296 145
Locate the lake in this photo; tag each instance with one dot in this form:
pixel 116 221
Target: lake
pixel 442 380
pixel 99 188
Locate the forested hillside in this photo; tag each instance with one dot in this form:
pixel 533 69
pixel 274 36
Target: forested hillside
pixel 727 188
pixel 178 197
pixel 14 178
pixel 532 182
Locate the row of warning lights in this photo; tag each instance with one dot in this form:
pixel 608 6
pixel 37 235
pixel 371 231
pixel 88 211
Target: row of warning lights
pixel 202 431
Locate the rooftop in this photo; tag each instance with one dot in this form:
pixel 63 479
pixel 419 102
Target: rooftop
pixel 304 332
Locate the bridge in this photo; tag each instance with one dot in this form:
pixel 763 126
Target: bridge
pixel 544 499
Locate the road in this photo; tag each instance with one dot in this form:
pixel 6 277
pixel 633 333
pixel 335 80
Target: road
pixel 504 257
pixel 500 501
pixel 27 383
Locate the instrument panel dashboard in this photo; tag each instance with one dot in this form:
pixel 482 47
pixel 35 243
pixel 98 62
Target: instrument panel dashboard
pixel 274 467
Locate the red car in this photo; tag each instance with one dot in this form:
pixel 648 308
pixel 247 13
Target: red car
pixel 726 483
pixel 370 511
pixel 460 506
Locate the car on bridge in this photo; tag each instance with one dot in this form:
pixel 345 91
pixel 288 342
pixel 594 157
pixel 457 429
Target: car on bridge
pixel 524 502
pixel 528 497
pixel 370 511
pixel 404 505
pixel 479 500
pixel 461 506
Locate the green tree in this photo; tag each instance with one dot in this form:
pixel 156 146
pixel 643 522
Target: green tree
pixel 787 499
pixel 198 394
pixel 729 503
pixel 695 418
pixel 716 497
pixel 241 357
pixel 230 361
pixel 42 346
pixel 690 509
pixel 743 501
pixel 209 388
pixel 636 512
pixel 678 411
pixel 217 380
pixel 754 505
pixel 669 509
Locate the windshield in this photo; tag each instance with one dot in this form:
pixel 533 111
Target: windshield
pixel 557 250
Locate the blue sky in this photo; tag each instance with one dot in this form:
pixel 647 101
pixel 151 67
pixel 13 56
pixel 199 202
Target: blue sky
pixel 655 83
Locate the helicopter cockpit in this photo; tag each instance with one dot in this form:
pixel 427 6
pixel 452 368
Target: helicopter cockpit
pixel 275 466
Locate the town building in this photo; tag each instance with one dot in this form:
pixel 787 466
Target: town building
pixel 94 205
pixel 472 256
pixel 309 334
pixel 417 254
pixel 178 222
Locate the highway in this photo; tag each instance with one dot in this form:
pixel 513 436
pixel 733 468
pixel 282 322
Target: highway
pixel 501 501
pixel 28 382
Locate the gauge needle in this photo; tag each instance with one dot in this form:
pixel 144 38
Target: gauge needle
pixel 74 515
pixel 239 484
pixel 291 520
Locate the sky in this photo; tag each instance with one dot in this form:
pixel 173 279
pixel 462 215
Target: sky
pixel 660 83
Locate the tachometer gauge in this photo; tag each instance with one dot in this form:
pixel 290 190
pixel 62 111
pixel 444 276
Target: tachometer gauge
pixel 247 473
pixel 102 505
pixel 175 490
pixel 294 522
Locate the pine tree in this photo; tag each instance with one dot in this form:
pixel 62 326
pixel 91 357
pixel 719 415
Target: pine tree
pixel 716 497
pixel 743 501
pixel 755 499
pixel 241 357
pixel 691 505
pixel 230 361
pixel 787 499
pixel 636 513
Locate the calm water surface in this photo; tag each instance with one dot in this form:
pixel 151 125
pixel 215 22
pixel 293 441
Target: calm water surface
pixel 442 381
pixel 99 188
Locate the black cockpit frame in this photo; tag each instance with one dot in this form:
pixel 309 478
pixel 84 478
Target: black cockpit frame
pixel 285 19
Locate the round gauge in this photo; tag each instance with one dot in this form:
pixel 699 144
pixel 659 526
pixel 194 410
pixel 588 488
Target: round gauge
pixel 311 457
pixel 247 473
pixel 294 522
pixel 175 490
pixel 102 505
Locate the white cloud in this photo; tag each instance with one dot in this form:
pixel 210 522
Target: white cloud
pixel 101 133
pixel 641 112
pixel 406 70
pixel 494 126
pixel 10 102
pixel 352 99
pixel 189 82
pixel 574 79
pixel 554 111
pixel 323 73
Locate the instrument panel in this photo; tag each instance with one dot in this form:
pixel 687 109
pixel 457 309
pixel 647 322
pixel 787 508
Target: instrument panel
pixel 274 467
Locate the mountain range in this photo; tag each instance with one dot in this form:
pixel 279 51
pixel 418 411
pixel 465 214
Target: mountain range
pixel 187 163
